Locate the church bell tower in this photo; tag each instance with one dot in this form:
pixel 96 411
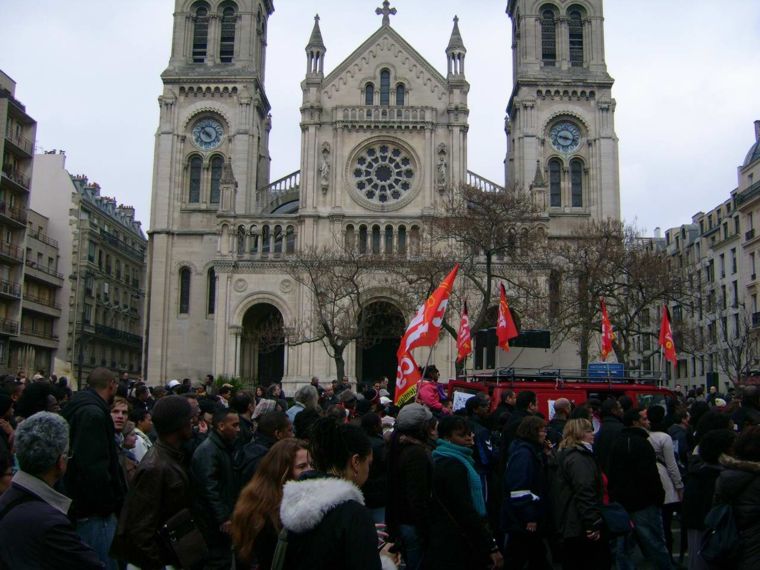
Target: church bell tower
pixel 561 141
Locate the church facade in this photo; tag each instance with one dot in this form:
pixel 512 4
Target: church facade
pixel 384 145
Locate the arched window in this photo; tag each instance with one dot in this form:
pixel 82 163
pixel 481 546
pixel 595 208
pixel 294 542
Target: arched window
pixel 388 240
pixel 402 240
pixel 211 303
pixel 369 94
pixel 278 240
pixel 400 94
pixel 290 240
pixel 555 183
pixel 217 163
pixel 350 241
pixel 227 37
pixel 576 183
pixel 253 246
pixel 548 37
pixel 575 29
pixel 375 240
pixel 241 240
pixel 362 239
pixel 265 246
pixel 184 290
pixel 194 190
pixel 414 240
pixel 200 33
pixel 385 87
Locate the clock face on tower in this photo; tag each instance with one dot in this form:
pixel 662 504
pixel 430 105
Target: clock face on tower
pixel 565 136
pixel 207 134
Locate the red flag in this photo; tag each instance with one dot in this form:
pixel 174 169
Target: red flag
pixel 606 331
pixel 423 330
pixel 505 326
pixel 464 338
pixel 666 337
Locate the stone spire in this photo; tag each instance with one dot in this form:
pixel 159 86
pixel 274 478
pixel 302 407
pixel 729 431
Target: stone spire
pixel 455 53
pixel 315 41
pixel 315 53
pixel 538 179
pixel 228 178
pixel 456 43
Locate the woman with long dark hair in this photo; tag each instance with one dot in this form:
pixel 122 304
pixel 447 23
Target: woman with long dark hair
pixel 256 519
pixel 328 525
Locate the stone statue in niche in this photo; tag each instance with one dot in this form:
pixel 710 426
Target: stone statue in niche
pixel 442 169
pixel 324 168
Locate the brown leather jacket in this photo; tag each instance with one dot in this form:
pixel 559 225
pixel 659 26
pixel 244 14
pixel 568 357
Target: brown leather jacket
pixel 160 489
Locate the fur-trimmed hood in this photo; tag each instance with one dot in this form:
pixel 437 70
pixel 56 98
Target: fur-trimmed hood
pixel 305 503
pixel 740 464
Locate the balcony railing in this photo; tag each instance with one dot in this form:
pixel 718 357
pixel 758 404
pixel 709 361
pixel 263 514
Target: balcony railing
pixel 481 183
pixel 42 301
pixel 38 332
pixel 34 265
pixel 22 142
pixel 119 244
pixel 44 238
pixel 18 214
pixel 116 334
pixel 378 115
pixel 10 288
pixel 10 250
pixel 17 177
pixel 8 326
pixel 270 194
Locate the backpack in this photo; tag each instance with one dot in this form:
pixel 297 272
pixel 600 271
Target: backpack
pixel 721 542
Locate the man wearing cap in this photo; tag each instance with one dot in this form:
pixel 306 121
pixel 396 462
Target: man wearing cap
pixel 160 488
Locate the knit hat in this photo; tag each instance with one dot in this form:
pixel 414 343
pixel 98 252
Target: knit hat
pixel 413 416
pixel 170 414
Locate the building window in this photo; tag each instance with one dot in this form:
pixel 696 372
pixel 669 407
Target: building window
pixel 576 183
pixel 290 240
pixel 227 39
pixel 375 240
pixel 211 291
pixel 555 183
pixel 265 245
pixel 278 240
pixel 388 240
pixel 369 94
pixel 575 28
pixel 350 241
pixel 402 240
pixel 362 239
pixel 194 192
pixel 733 261
pixel 385 87
pixel 184 290
pixel 200 33
pixel 400 94
pixel 217 163
pixel 548 37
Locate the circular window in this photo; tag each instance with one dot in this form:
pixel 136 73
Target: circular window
pixel 383 173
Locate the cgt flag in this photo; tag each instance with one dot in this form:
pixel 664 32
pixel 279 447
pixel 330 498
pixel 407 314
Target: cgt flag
pixel 505 325
pixel 423 330
pixel 464 337
pixel 666 337
pixel 606 331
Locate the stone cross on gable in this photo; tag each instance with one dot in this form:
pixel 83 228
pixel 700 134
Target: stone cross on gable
pixel 386 11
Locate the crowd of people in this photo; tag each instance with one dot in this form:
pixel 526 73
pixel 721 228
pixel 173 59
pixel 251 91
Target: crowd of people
pixel 122 475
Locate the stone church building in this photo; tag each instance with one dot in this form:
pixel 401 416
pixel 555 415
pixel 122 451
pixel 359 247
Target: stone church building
pixel 384 142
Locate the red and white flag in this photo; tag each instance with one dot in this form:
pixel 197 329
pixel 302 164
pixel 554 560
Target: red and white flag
pixel 666 337
pixel 505 325
pixel 464 337
pixel 607 334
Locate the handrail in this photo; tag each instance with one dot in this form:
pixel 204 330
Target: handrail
pixel 482 183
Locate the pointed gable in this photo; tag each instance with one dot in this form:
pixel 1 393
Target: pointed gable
pixel 387 46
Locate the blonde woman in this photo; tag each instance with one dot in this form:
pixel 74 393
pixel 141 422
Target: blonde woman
pixel 580 494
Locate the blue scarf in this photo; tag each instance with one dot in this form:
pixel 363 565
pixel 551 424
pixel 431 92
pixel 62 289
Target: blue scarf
pixel 464 455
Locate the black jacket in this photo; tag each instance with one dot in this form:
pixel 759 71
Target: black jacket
pixel 577 493
pixel 250 455
pixel 410 469
pixel 739 486
pixel 160 489
pixel 459 536
pixel 555 428
pixel 698 493
pixel 215 484
pixel 634 480
pixel 604 438
pixel 94 479
pixel 526 492
pixel 328 526
pixel 37 536
pixel 376 488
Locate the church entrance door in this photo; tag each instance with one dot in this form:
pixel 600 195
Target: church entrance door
pixel 262 345
pixel 382 327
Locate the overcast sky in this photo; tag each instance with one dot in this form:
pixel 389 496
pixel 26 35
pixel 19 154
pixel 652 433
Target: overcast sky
pixel 687 86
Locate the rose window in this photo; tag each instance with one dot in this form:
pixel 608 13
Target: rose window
pixel 383 173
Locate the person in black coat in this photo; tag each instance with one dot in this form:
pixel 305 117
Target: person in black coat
pixel 699 489
pixel 739 486
pixel 94 478
pixel 526 496
pixel 216 487
pixel 35 529
pixel 375 490
pixel 460 536
pixel 634 482
pixel 328 526
pixel 612 425
pixel 271 428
